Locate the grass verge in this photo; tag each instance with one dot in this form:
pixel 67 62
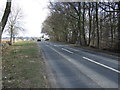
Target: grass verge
pixel 23 66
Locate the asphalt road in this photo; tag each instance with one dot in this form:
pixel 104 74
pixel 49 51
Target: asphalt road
pixel 72 67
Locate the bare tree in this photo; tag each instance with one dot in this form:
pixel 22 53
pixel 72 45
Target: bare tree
pixel 14 23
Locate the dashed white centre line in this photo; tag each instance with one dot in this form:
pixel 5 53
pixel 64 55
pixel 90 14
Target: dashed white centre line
pixel 103 65
pixel 74 49
pixel 67 50
pixel 47 45
pixel 55 45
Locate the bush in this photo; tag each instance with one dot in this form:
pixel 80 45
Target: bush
pixel 5 45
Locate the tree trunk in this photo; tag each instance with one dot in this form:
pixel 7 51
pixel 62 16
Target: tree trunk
pixel 83 31
pixel 111 28
pixel 119 26
pixel 101 29
pixel 90 21
pixel 0 34
pixel 0 40
pixel 5 17
pixel 93 32
pixel 14 39
pixel 79 22
pixel 97 28
pixel 11 35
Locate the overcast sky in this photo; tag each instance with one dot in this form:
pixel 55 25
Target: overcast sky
pixel 34 11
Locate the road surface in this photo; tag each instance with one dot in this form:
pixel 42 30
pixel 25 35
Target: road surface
pixel 72 67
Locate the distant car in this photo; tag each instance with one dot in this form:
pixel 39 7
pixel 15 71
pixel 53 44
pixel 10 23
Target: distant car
pixel 39 40
pixel 46 39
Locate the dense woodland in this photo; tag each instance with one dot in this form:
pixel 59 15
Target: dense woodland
pixel 94 24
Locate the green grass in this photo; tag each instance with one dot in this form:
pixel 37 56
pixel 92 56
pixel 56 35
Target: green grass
pixel 23 66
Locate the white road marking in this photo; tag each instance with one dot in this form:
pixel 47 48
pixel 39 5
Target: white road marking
pixel 103 65
pixel 62 49
pixel 47 45
pixel 67 50
pixel 74 49
pixel 101 80
pixel 55 45
pixel 59 45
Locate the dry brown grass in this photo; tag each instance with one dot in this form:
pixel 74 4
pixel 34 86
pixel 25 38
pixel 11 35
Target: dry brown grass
pixel 5 40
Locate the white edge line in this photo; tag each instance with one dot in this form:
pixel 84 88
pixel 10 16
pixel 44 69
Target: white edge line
pixel 67 50
pixel 102 65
